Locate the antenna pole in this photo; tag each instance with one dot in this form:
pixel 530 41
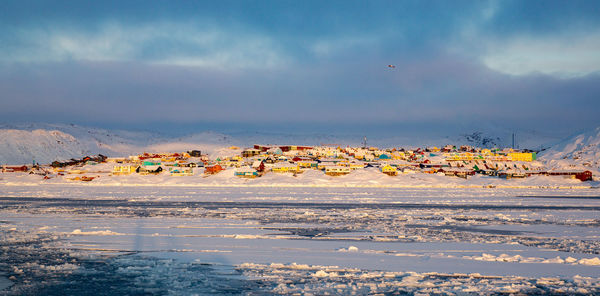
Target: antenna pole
pixel 513 141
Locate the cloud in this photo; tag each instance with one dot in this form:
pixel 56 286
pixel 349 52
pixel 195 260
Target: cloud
pixel 564 56
pixel 302 62
pixel 440 91
pixel 328 47
pixel 168 43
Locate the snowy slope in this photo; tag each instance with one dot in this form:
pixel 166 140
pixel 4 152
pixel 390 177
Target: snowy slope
pixel 581 151
pixel 490 137
pixel 48 142
pixel 211 143
pixel 22 143
pixel 20 146
pixel 98 140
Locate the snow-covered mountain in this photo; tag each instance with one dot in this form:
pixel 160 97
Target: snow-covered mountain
pixel 581 151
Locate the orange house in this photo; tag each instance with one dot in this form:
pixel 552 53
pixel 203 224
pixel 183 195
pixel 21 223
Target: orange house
pixel 213 169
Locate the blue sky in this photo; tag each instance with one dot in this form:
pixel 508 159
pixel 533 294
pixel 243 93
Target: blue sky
pixel 292 64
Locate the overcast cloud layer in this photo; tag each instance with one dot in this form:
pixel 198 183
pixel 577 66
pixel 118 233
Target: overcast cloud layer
pixel 533 64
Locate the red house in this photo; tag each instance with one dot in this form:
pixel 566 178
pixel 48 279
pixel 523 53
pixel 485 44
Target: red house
pixel 22 168
pixel 213 169
pixel 581 175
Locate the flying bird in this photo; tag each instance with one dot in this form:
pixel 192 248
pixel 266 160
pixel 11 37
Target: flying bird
pixel 391 66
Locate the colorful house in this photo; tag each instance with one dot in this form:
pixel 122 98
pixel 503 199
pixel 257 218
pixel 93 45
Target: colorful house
pixel 384 156
pixel 213 169
pixel 307 164
pixel 12 169
pixel 181 171
pixel 457 172
pixel 246 172
pixel 337 170
pixel 250 152
pixel 398 155
pixel 285 167
pixel 389 170
pixel 123 169
pixel 148 170
pixel 434 149
pixel 355 165
pixel 522 156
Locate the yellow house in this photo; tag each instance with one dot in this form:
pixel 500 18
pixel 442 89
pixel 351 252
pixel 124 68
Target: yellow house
pixel 236 158
pixel 230 163
pixel 521 156
pixel 398 155
pixel 337 170
pixel 123 169
pixel 453 157
pixel 463 156
pixel 324 165
pixel 497 157
pixel 307 164
pixel 389 170
pixel 356 165
pixel 285 167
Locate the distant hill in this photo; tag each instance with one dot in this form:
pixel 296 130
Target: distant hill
pixel 581 151
pixel 45 143
pixel 21 146
pixel 493 136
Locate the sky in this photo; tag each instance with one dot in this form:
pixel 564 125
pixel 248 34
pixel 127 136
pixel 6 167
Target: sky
pixel 302 65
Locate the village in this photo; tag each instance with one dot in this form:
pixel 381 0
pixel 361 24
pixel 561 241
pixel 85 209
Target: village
pixel 259 160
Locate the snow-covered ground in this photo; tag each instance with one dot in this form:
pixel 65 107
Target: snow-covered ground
pixel 369 177
pixel 579 152
pixel 284 240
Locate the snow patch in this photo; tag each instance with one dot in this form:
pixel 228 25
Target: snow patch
pixel 101 232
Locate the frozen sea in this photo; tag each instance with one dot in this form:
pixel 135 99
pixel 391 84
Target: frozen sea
pixel 153 240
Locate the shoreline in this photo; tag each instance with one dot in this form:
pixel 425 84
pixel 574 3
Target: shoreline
pixel 558 187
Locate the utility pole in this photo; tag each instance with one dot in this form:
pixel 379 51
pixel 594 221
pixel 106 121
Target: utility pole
pixel 513 141
pixel 365 142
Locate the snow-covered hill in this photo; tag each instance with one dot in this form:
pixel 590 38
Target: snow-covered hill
pixel 581 151
pixel 21 146
pixel 496 136
pixel 45 143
